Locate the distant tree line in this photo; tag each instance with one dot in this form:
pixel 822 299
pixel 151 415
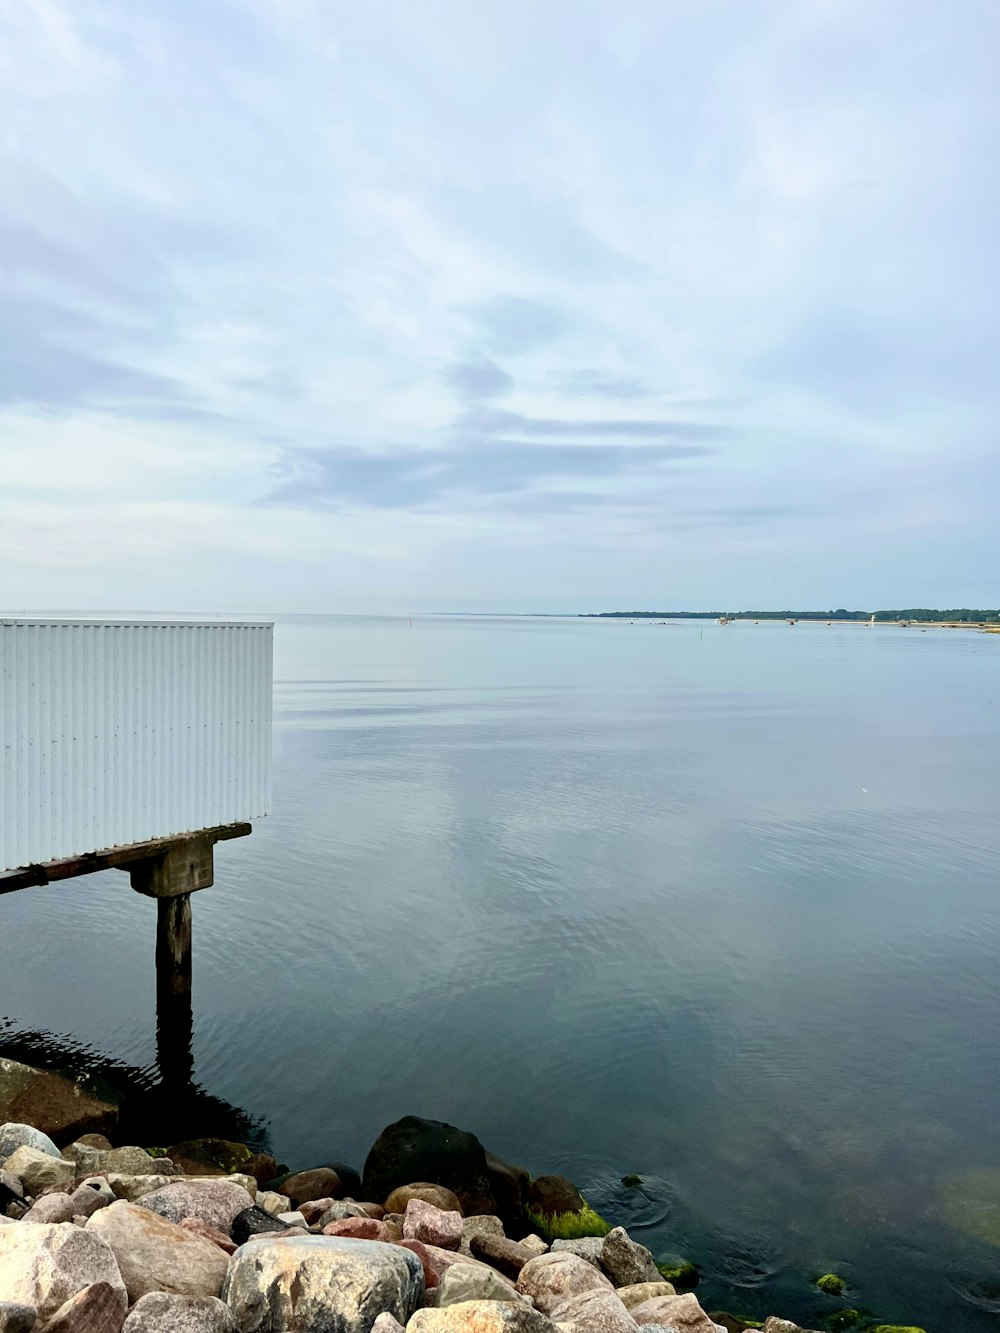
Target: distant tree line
pixel 961 615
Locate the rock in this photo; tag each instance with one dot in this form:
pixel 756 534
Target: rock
pixel 14 1136
pixel 245 1182
pixel 211 1157
pixel 131 1188
pixel 272 1202
pixel 433 1271
pixel 313 1210
pixel 292 1219
pixel 505 1255
pixel 155 1254
pixel 480 1224
pixel 683 1313
pixel 481 1317
pixel 373 1210
pixel 133 1162
pixel 422 1221
pixel 60 1107
pixel 435 1194
pixel 625 1261
pixel 318 1283
pixel 46 1265
pixel 319 1183
pixel 339 1211
pixel 775 1325
pixel 510 1189
pixel 253 1222
pixel 199 1228
pixel 639 1292
pixel 85 1199
pixel 96 1309
pixel 429 1150
pixel 558 1210
pixel 162 1312
pixel 215 1201
pixel 535 1244
pixel 95 1141
pixel 553 1278
pixel 386 1323
pixel 593 1312
pixel 361 1228
pixel 15 1318
pixel 554 1194
pixel 38 1171
pixel 475 1282
pixel 586 1247
pixel 11 1184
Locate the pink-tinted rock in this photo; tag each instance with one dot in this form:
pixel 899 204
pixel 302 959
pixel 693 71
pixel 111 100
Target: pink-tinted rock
pixel 96 1309
pixel 432 1270
pixel 200 1227
pixel 423 1221
pixel 680 1312
pixel 361 1228
pixel 313 1209
pixel 373 1210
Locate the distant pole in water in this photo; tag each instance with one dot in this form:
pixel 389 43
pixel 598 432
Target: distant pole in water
pixel 410 619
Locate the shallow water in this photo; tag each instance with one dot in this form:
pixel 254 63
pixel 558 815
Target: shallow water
pixel 715 905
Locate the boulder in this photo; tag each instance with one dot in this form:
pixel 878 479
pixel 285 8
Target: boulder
pixel 60 1107
pixel 683 1313
pixel 155 1254
pixel 130 1161
pixel 480 1224
pixel 38 1171
pixel 415 1149
pixel 84 1200
pixel 481 1317
pixel 199 1228
pixel 597 1311
pixel 625 1261
pixel 640 1292
pixel 163 1312
pixel 95 1141
pixel 319 1183
pixel 475 1282
pixel 422 1221
pixel 273 1202
pixel 510 1189
pixel 312 1211
pixel 46 1265
pixel 503 1254
pixel 586 1247
pixel 15 1318
pixel 211 1157
pixel 131 1188
pixel 14 1136
pixel 96 1309
pixel 339 1210
pixel 557 1210
pixel 534 1244
pixel 215 1201
pixel 436 1194
pixel 253 1222
pixel 314 1283
pixel 432 1270
pixel 361 1228
pixel 551 1195
pixel 554 1278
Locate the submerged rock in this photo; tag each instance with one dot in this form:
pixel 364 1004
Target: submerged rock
pixel 58 1106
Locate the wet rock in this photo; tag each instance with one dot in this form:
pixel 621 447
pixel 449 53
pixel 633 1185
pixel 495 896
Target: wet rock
pixel 509 1184
pixel 422 1221
pixel 683 1313
pixel 481 1317
pixel 319 1183
pixel 215 1201
pixel 479 1224
pixel 131 1188
pixel 60 1107
pixel 46 1265
pixel 155 1254
pixel 211 1157
pixel 254 1222
pixel 625 1261
pixel 163 1312
pixel 96 1309
pixel 505 1255
pixel 16 1318
pixel 319 1283
pixel 415 1149
pixel 639 1292
pixel 475 1282
pixel 551 1195
pixel 14 1136
pixel 587 1247
pixel 37 1171
pixel 554 1278
pixel 361 1228
pixel 199 1228
pixel 434 1194
pixel 558 1210
pixel 272 1202
pixel 593 1312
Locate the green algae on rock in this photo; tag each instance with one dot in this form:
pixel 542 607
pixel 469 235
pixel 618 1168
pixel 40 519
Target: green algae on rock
pixel 842 1319
pixel 832 1283
pixel 683 1274
pixel 569 1226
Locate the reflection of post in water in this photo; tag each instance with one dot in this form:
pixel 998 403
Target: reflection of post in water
pixel 174 1019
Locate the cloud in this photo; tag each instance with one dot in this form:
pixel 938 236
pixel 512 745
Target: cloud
pixel 515 324
pixel 478 379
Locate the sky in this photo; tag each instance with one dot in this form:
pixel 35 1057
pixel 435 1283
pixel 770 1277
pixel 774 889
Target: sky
pixel 514 305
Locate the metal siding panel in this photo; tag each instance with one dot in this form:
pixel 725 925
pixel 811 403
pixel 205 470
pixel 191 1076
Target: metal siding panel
pixel 113 733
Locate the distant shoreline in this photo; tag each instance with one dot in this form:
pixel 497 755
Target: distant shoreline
pixel 925 618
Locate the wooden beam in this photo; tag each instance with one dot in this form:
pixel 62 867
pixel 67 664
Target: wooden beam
pixel 115 857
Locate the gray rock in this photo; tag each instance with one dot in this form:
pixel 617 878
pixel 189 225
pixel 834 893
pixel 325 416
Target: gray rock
pixel 557 1276
pixel 9 1182
pixel 292 1219
pixel 476 1282
pixel 46 1265
pixel 481 1317
pixel 274 1203
pixel 320 1283
pixel 586 1247
pixel 640 1292
pixel 339 1211
pixel 96 1309
pixel 596 1311
pixel 132 1162
pixel 16 1318
pixel 215 1201
pixel 775 1325
pixel 14 1136
pixel 38 1171
pixel 535 1244
pixel 155 1254
pixel 131 1188
pixel 683 1313
pixel 248 1182
pixel 386 1323
pixel 480 1224
pixel 625 1261
pixel 85 1199
pixel 164 1312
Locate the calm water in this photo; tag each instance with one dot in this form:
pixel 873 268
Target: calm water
pixel 714 905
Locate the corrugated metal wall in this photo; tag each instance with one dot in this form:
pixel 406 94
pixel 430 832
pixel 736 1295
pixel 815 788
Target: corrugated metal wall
pixel 113 732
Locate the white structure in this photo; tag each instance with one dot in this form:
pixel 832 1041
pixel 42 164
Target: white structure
pixel 121 732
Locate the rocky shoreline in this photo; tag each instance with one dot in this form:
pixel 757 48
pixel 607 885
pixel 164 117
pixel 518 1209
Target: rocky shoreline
pixel 435 1235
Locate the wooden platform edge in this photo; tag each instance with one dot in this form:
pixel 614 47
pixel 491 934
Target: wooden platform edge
pixel 113 857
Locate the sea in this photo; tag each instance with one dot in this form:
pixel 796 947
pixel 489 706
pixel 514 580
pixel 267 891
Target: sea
pixel 711 905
